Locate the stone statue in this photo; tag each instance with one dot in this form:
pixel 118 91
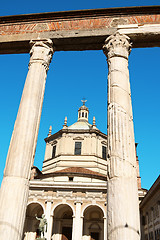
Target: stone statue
pixel 42 225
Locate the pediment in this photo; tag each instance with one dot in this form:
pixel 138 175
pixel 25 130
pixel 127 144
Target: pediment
pixel 54 142
pixel 104 142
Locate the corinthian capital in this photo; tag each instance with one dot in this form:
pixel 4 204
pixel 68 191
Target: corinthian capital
pixel 117 45
pixel 41 52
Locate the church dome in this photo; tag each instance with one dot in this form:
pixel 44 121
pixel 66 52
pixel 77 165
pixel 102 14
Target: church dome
pixel 80 125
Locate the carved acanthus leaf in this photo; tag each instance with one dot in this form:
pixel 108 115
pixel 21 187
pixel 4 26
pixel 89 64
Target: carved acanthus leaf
pixel 117 45
pixel 41 52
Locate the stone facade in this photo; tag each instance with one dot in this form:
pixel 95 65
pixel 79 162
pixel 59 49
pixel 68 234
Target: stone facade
pixel 91 139
pixel 71 190
pixel 80 30
pixel 150 213
pixel 23 143
pixel 90 23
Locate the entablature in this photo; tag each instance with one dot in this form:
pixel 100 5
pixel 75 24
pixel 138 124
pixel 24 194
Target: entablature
pixel 77 131
pixel 80 30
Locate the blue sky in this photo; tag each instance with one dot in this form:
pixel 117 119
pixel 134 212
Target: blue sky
pixel 74 75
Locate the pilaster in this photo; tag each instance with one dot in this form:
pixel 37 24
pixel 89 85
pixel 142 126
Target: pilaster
pixel 147 218
pixel 93 136
pixel 153 226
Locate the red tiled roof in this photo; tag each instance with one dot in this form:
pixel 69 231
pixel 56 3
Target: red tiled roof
pixel 79 170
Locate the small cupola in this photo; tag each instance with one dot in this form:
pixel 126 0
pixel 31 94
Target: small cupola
pixel 83 112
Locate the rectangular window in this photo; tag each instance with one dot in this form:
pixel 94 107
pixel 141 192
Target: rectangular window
pixel 71 179
pixel 104 152
pixel 77 150
pixel 54 151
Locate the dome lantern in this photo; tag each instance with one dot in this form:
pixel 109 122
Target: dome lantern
pixel 83 112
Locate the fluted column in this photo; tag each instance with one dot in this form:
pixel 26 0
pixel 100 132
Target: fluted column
pixel 122 191
pixel 15 184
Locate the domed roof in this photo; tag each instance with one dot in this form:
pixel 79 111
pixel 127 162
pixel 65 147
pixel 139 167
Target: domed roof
pixel 80 125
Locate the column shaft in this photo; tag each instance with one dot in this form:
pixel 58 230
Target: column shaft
pixel 105 228
pixel 77 223
pixel 49 219
pixel 122 190
pixel 15 184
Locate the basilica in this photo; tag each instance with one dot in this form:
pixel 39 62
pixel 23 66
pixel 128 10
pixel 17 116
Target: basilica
pixel 71 189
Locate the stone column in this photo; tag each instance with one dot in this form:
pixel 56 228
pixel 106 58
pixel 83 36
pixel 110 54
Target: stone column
pixel 49 219
pixel 15 184
pixel 122 190
pixel 77 223
pixel 105 228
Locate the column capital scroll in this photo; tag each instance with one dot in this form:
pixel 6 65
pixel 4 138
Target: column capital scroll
pixel 41 52
pixel 117 45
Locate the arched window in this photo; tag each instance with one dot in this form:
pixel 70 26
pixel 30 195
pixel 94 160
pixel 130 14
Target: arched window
pixel 31 223
pixel 93 223
pixel 63 220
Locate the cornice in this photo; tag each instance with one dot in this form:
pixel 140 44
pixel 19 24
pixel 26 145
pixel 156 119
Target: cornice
pixel 122 11
pixel 80 174
pixel 54 136
pixel 154 188
pixel 67 185
pixel 73 155
pixel 76 131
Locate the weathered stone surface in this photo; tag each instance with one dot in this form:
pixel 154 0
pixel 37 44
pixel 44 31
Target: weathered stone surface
pixel 15 184
pixel 79 30
pixel 123 208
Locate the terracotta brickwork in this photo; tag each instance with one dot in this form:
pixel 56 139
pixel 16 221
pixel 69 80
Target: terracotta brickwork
pixel 76 24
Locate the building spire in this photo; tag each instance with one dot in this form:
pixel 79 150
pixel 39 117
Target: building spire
pixel 65 123
pixel 94 123
pixel 50 131
pixel 83 101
